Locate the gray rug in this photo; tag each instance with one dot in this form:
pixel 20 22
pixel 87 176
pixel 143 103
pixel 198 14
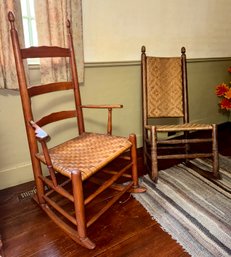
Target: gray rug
pixel 195 211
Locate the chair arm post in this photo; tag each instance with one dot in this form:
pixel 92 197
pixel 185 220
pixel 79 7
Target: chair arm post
pixel 105 106
pixel 42 137
pixel 109 122
pixel 49 162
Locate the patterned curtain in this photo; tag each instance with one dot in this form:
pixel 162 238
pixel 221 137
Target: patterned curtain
pixel 51 17
pixel 8 77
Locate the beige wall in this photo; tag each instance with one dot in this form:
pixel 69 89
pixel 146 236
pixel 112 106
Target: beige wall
pixel 115 30
pixel 104 83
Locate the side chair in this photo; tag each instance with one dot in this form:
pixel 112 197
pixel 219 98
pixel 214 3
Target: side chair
pixel 167 131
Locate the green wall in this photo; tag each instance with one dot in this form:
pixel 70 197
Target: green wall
pixel 105 83
pixel 203 76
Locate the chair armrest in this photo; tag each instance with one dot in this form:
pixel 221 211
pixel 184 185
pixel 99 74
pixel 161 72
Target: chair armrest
pixel 102 106
pixel 105 106
pixel 40 134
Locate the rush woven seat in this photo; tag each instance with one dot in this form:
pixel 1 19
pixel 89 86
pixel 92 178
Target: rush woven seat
pixel 89 152
pixel 183 127
pixel 77 172
pixel 167 131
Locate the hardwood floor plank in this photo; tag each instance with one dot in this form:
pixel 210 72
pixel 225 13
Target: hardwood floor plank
pixel 151 241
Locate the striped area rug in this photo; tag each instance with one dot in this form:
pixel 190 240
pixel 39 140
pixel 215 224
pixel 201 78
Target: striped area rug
pixel 195 211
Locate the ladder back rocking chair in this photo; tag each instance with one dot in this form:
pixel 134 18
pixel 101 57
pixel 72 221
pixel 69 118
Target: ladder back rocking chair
pixel 77 161
pixel 165 97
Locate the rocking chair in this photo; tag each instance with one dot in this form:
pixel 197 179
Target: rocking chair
pixel 77 161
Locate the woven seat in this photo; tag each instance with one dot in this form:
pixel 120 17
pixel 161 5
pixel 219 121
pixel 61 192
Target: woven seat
pixel 88 153
pixel 165 110
pixel 183 127
pixel 77 170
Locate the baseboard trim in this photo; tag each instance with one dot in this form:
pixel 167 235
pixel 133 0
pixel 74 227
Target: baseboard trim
pixel 16 175
pixel 224 125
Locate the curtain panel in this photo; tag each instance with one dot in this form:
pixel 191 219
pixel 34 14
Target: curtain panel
pixel 8 76
pixel 51 20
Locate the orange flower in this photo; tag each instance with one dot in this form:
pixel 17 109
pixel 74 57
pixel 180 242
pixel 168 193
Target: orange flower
pixel 225 104
pixel 228 94
pixel 221 89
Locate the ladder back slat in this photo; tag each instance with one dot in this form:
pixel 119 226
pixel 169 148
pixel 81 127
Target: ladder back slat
pixel 47 88
pixel 44 52
pixel 56 116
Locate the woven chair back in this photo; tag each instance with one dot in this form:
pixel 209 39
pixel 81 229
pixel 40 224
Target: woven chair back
pixel 164 87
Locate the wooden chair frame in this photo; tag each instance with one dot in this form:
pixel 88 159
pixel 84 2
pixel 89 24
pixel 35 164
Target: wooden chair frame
pixel 74 224
pixel 151 142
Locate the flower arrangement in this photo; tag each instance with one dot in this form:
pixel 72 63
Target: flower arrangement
pixel 223 91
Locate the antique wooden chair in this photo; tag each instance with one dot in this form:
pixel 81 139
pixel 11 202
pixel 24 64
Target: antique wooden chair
pixel 73 164
pixel 165 99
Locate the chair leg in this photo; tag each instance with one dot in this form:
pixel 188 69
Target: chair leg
pixel 154 172
pixel 215 153
pixel 38 182
pixel 136 187
pixel 145 149
pixel 132 138
pixel 187 146
pixel 80 209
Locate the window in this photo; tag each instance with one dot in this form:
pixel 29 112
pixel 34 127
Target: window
pixel 29 25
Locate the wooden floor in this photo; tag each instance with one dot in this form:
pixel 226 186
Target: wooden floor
pixel 125 230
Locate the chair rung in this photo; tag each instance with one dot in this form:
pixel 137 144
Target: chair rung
pixel 51 191
pixel 99 181
pixel 57 189
pixel 184 156
pixel 171 147
pixel 109 204
pixel 60 210
pixel 115 172
pixel 107 184
pixel 184 141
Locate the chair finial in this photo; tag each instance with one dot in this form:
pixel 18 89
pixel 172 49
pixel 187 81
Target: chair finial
pixel 68 25
pixel 11 19
pixel 143 49
pixel 183 50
